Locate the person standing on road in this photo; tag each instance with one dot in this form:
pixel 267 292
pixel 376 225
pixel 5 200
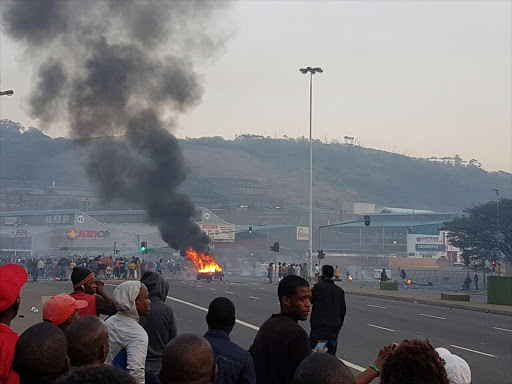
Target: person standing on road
pixel 128 341
pixel 383 275
pixel 235 363
pixel 12 278
pixel 281 343
pixel 160 324
pixel 329 310
pixel 270 272
pixel 85 288
pixel 62 310
pixel 475 279
pixel 317 270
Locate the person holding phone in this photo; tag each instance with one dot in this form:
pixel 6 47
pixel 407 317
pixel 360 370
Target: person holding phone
pixel 328 312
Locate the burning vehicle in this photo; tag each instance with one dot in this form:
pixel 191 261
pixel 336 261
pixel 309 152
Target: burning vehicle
pixel 207 266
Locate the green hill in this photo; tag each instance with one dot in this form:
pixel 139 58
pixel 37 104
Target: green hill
pixel 341 172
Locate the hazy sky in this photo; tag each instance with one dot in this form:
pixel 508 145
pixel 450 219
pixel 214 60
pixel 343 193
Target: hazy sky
pixel 427 78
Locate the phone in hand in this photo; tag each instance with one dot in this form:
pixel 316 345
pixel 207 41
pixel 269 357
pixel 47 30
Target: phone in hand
pixel 321 344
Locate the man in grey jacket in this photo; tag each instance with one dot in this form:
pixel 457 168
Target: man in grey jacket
pixel 160 324
pixel 128 340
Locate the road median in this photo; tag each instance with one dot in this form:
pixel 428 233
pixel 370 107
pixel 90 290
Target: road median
pixel 432 298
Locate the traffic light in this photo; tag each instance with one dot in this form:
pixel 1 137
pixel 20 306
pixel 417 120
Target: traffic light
pixel 144 247
pixel 299 255
pixel 250 229
pixel 367 221
pixel 275 247
pixel 321 254
pixel 494 265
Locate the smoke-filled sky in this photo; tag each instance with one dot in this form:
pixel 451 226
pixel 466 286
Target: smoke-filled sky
pixel 426 78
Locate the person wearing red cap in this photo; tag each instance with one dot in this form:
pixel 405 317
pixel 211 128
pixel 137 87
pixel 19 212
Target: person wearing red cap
pixel 62 310
pixel 85 288
pixel 12 278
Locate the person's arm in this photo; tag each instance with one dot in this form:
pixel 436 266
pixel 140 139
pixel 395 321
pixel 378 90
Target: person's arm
pixel 343 308
pixel 104 304
pixel 173 328
pixel 136 351
pixel 248 375
pixel 373 372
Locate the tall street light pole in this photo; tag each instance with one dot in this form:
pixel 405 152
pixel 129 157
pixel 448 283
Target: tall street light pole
pixel 497 222
pixel 311 71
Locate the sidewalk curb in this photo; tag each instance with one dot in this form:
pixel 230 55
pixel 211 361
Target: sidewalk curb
pixel 448 304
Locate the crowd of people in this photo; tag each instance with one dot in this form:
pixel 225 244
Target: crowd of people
pixel 117 267
pixel 139 341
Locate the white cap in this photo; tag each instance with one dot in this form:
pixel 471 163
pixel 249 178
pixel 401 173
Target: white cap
pixel 456 367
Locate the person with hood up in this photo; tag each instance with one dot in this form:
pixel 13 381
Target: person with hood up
pixel 128 340
pixel 160 324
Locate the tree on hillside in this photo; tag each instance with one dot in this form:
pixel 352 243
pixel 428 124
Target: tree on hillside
pixel 475 233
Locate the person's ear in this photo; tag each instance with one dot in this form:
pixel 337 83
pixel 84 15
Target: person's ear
pixel 215 372
pixel 66 366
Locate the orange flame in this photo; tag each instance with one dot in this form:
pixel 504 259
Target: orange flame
pixel 409 281
pixel 350 278
pixel 203 262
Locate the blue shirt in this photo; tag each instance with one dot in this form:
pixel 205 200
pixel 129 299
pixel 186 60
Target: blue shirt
pixel 235 363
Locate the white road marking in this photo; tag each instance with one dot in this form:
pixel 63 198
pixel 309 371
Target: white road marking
pixel 231 293
pixel 253 297
pixel 376 306
pixel 213 289
pixel 472 350
pixel 376 326
pixel 434 317
pixel 347 363
pixel 503 329
pixel 352 365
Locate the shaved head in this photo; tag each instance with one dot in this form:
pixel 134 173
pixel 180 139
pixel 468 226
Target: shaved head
pixel 41 354
pixel 188 359
pixel 87 341
pixel 322 368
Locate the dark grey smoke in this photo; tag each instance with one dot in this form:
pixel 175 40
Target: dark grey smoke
pixel 124 69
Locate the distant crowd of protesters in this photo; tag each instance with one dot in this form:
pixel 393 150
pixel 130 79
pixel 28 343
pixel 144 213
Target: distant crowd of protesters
pixel 106 267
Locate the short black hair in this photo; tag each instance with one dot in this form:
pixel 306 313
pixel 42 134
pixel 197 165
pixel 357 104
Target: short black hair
pixel 221 314
pixel 288 286
pixel 322 368
pixel 86 337
pixel 98 374
pixel 328 271
pixel 41 354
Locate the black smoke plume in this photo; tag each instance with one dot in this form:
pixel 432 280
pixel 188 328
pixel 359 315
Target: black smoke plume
pixel 122 69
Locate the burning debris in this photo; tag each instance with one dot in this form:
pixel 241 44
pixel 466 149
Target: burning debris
pixel 115 74
pixel 203 262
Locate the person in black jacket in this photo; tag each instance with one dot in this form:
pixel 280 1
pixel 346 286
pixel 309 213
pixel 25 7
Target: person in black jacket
pixel 328 311
pixel 160 324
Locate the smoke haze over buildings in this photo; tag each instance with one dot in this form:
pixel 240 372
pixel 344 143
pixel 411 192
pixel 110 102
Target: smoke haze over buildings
pixel 124 69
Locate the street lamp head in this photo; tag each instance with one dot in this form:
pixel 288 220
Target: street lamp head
pixel 303 70
pixel 313 71
pixel 10 92
pixel 318 70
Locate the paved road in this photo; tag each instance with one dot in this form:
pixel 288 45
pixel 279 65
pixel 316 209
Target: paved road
pixel 483 340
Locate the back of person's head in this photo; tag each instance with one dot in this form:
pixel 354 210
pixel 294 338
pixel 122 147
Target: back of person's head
pixel 87 341
pixel 41 354
pixel 414 361
pixel 221 314
pixel 288 286
pixel 187 359
pixel 328 271
pixel 97 374
pixel 322 368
